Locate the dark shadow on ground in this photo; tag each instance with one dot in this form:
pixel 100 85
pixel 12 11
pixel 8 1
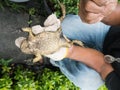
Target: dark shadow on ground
pixel 10 29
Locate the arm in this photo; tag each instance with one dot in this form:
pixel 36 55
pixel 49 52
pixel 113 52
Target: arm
pixel 113 18
pixel 92 58
pixel 95 60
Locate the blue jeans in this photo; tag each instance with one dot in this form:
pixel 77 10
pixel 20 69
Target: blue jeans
pixel 93 36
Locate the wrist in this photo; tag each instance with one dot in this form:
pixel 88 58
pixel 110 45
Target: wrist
pixel 100 65
pixel 70 52
pixel 105 70
pixel 113 18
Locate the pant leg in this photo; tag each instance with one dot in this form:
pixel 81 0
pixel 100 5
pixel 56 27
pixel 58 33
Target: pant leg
pixel 79 74
pixel 91 34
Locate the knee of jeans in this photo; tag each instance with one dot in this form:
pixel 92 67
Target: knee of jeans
pixel 88 80
pixel 70 25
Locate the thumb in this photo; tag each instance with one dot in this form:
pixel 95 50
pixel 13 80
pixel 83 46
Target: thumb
pixel 59 55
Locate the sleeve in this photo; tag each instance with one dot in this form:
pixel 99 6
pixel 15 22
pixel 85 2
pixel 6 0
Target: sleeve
pixel 112 81
pixel 111 46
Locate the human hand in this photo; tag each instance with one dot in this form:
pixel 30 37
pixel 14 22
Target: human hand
pixel 92 11
pixel 59 55
pixel 50 24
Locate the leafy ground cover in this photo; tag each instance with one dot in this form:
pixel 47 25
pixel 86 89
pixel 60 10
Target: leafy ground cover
pixel 39 7
pixel 23 77
pixel 26 77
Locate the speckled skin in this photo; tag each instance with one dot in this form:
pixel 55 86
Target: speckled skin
pixel 46 42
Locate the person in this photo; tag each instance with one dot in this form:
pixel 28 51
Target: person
pixel 92 11
pixel 86 67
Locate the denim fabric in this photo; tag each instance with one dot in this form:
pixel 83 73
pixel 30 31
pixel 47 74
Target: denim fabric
pixel 93 36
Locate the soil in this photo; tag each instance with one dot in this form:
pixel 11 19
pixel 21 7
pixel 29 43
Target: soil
pixel 10 29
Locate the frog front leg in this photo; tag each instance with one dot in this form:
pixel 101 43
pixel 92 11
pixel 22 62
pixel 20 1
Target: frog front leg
pixel 29 30
pixel 37 58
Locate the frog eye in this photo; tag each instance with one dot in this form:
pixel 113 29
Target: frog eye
pixel 18 41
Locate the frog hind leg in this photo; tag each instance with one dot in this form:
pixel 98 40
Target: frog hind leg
pixel 62 6
pixel 77 42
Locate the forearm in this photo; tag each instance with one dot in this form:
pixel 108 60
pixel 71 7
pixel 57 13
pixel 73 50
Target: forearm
pixel 113 18
pixel 92 58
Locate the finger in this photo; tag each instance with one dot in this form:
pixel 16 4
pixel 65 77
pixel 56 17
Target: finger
pixel 81 6
pixel 109 8
pixel 91 18
pixel 95 20
pixel 93 7
pixel 101 2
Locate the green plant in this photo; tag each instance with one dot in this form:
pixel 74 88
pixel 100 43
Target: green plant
pixel 24 79
pixel 5 66
pixel 32 12
pixel 20 77
pixel 5 80
pixel 13 6
pixel 103 87
pixel 55 81
pixel 71 6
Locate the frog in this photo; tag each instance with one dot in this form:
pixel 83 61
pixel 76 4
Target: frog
pixel 46 42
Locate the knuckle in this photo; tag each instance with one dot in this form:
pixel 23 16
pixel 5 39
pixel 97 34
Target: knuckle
pixel 90 6
pixel 87 6
pixel 89 16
